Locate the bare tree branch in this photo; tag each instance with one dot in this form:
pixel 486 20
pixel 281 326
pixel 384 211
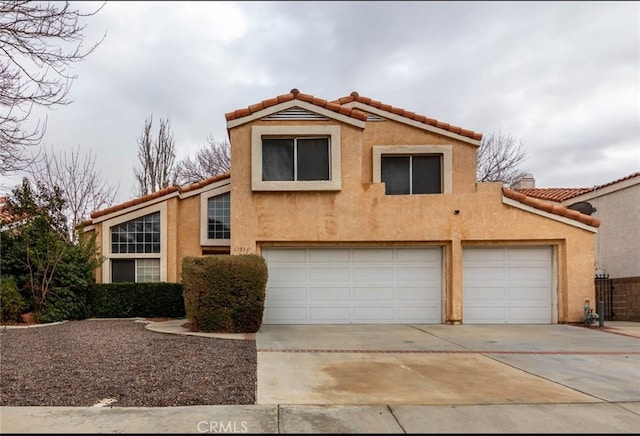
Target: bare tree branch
pixel 499 159
pixel 209 161
pixel 38 43
pixel 156 158
pixel 82 186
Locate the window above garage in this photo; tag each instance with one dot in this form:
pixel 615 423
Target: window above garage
pixel 413 169
pixel 295 158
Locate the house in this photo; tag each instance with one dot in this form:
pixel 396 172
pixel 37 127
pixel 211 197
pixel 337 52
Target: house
pixel 365 213
pixel 617 243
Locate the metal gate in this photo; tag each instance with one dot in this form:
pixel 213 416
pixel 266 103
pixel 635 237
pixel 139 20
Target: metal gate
pixel 604 293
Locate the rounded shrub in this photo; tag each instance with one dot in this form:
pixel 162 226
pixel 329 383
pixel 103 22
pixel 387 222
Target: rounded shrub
pixel 224 293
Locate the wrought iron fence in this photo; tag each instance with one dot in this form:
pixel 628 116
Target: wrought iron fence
pixel 604 293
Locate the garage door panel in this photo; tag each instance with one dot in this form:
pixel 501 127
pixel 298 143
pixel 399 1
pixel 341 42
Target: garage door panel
pixel 354 285
pixel 373 274
pixel 287 274
pixel 483 293
pixel 286 256
pixel 329 294
pixel 411 314
pixel 486 315
pixel 528 255
pixel 529 293
pixel 373 314
pixel 484 273
pixel 418 294
pixel 336 313
pixel 528 314
pixel 510 285
pixel 323 255
pixel 372 255
pixel 536 273
pixel 329 274
pixel 373 294
pixel 419 255
pixel 418 274
pixel 480 255
pixel 285 314
pixel 287 294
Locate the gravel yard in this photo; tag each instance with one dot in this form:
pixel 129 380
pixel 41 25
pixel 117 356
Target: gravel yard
pixel 119 362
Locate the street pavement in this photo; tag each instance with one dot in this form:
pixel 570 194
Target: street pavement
pixel 401 379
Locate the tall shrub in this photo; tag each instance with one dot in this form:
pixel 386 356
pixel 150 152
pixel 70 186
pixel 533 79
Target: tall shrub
pixel 225 293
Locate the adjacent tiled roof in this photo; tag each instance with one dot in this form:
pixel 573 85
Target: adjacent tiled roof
pixel 553 194
pixel 5 216
pixel 294 94
pixel 354 96
pixel 550 207
pixel 563 194
pixel 157 194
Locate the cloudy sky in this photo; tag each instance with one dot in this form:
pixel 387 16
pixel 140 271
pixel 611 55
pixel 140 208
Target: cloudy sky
pixel 563 77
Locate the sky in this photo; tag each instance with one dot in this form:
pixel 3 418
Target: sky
pixel 563 78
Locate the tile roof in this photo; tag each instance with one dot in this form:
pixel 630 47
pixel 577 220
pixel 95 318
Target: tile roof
pixel 354 96
pixel 5 216
pixel 553 194
pixel 550 207
pixel 337 106
pixel 294 94
pixel 563 194
pixel 157 194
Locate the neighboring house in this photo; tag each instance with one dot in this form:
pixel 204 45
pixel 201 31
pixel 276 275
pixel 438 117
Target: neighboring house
pixel 617 243
pixel 365 213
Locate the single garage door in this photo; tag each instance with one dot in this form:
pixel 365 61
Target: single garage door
pixel 508 285
pixel 353 285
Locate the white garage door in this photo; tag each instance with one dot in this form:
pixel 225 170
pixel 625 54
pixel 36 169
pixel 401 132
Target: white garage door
pixel 507 285
pixel 353 285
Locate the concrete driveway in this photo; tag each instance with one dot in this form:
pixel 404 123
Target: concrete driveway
pixel 445 365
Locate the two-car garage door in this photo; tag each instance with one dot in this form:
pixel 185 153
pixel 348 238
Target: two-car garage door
pixel 383 285
pixel 353 285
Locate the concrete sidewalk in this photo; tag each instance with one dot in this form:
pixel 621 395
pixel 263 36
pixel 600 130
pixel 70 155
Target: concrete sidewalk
pixel 506 418
pixel 401 379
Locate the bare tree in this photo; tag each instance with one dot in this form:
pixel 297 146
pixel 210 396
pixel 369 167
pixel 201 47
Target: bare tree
pixel 39 41
pixel 499 159
pixel 81 185
pixel 156 158
pixel 210 160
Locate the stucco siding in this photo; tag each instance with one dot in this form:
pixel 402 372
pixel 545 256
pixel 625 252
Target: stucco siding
pixel 618 242
pixel 360 213
pixel 188 232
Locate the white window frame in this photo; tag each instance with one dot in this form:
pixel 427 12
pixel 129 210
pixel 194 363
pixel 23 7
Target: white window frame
pixel 446 151
pixel 204 218
pixel 333 184
pixel 106 240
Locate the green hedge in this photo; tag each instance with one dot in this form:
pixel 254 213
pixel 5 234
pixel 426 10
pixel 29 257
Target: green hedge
pixel 125 300
pixel 11 301
pixel 224 293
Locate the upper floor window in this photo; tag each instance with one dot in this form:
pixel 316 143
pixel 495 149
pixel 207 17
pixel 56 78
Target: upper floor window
pixel 289 159
pixel 219 217
pixel 413 169
pixel 413 174
pixel 295 158
pixel 140 235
